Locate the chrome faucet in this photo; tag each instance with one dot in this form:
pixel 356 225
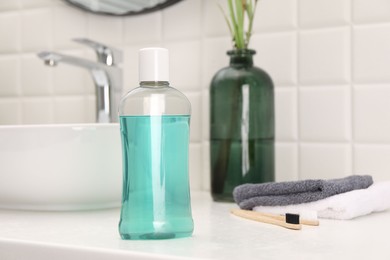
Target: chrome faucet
pixel 106 75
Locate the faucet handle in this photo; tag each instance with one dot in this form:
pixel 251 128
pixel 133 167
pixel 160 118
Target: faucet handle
pixel 108 55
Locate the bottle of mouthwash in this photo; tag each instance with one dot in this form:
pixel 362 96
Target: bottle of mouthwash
pixel 155 125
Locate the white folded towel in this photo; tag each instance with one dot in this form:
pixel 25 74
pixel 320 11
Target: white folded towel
pixel 347 205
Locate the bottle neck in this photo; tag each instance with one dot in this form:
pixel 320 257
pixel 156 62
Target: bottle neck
pixel 241 57
pixel 154 84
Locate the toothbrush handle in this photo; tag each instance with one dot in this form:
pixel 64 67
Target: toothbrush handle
pixel 248 214
pixel 307 222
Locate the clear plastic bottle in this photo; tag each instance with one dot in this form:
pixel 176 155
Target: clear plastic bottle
pixel 155 124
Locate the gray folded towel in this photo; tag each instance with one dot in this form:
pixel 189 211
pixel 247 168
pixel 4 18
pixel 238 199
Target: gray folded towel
pixel 248 196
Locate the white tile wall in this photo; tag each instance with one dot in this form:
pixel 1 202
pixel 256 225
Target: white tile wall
pixel 10 75
pixel 36 79
pixel 105 29
pixel 371 53
pixel 182 21
pixel 276 15
pixel 196 166
pixel 213 57
pixel 205 160
pixel 212 23
pixel 36 31
pixel 10 111
pixel 286 114
pixel 35 3
pixel 371 113
pixel 37 110
pixel 196 115
pixel 373 158
pixel 68 23
pixel 286 161
pixel 373 11
pixel 90 109
pixel 10 26
pixel 329 59
pixel 65 85
pixel 324 13
pixel 205 115
pixel 69 109
pixel 276 53
pixel 185 57
pixel 143 29
pixel 324 56
pixel 324 160
pixel 9 5
pixel 324 114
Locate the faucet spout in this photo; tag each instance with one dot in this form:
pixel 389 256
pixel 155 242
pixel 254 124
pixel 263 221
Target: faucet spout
pixel 107 79
pixel 53 58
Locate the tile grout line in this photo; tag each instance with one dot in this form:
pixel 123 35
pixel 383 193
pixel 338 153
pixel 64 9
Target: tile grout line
pixel 19 72
pixel 298 41
pixel 51 74
pixel 352 92
pixel 202 96
pixel 200 38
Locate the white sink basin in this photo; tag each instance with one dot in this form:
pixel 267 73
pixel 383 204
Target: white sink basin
pixel 60 167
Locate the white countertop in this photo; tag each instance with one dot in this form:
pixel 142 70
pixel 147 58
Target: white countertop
pixel 218 235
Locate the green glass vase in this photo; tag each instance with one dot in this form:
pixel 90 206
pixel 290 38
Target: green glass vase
pixel 242 131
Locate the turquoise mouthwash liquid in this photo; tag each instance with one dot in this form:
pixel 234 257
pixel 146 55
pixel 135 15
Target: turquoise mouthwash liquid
pixel 156 197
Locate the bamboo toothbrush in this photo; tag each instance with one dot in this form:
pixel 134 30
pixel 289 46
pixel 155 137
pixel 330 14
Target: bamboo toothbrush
pixel 308 218
pixel 290 221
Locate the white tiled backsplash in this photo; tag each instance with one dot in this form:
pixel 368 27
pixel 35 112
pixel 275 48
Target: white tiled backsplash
pixel 329 59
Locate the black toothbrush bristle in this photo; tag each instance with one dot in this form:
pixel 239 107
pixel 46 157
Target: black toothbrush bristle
pixel 292 218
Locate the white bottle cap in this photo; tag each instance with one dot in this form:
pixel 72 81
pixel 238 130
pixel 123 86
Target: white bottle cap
pixel 153 64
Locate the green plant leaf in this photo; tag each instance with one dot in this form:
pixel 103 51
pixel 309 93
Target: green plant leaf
pixel 240 23
pixel 234 22
pixel 249 9
pixel 238 9
pixel 251 18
